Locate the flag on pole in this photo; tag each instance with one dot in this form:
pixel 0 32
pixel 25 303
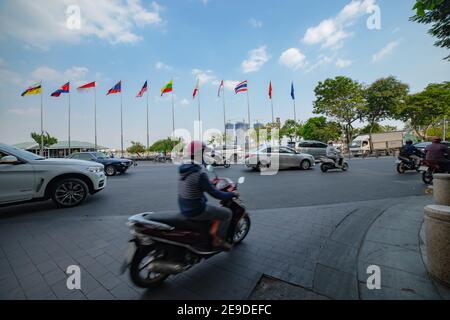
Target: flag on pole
pixel 167 88
pixel 220 88
pixel 36 89
pixel 292 91
pixel 86 86
pixel 64 89
pixel 143 90
pixel 116 89
pixel 197 87
pixel 270 90
pixel 241 87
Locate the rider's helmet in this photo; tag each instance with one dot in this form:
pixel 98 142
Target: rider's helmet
pixel 330 143
pixel 436 140
pixel 195 149
pixel 409 142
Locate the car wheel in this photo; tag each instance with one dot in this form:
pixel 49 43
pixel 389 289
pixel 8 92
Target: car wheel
pixel 305 165
pixel 110 170
pixel 69 192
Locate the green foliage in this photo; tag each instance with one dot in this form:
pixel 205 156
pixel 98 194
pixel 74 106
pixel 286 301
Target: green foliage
pixel 291 129
pixel 136 148
pixel 165 146
pixel 341 99
pixel 48 139
pixel 318 128
pixel 437 13
pixel 376 128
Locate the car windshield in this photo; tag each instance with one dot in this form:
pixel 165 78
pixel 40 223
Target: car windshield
pixel 26 155
pixel 100 155
pixel 356 144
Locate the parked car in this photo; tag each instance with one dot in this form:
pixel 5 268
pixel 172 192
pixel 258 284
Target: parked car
pixel 112 165
pixel 315 148
pixel 286 158
pixel 422 145
pixel 26 176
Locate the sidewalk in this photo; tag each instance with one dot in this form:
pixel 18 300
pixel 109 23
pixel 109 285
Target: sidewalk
pixel 321 251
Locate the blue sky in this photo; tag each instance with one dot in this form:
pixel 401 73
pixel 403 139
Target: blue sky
pixel 258 41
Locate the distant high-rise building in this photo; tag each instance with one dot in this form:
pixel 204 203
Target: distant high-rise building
pixel 257 125
pixel 229 126
pixel 241 126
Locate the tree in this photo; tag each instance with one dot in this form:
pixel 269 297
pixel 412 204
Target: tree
pixel 136 148
pixel 377 128
pixel 48 139
pixel 437 13
pixel 383 98
pixel 425 109
pixel 342 99
pixel 291 129
pixel 165 146
pixel 318 128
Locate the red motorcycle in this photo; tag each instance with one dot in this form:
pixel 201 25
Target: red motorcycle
pixel 168 244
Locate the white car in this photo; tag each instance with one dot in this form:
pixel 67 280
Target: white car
pixel 25 176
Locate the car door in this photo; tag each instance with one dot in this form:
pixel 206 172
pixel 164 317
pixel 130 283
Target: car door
pixel 86 156
pixel 320 150
pixel 17 181
pixel 287 158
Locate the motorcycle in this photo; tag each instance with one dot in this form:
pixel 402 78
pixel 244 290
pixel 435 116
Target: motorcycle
pixel 330 164
pixel 217 160
pixel 428 169
pixel 169 244
pixel 406 164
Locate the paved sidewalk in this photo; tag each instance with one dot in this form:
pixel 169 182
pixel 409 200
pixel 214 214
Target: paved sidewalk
pixel 324 250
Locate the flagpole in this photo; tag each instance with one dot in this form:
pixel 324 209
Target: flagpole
pixel 199 115
pixel 224 116
pixel 95 117
pixel 69 122
pixel 121 122
pixel 42 122
pixel 148 139
pixel 295 112
pixel 248 107
pixel 173 114
pixel 271 102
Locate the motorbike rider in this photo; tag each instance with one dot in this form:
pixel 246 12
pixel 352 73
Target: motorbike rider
pixel 436 153
pixel 411 152
pixel 334 154
pixel 192 185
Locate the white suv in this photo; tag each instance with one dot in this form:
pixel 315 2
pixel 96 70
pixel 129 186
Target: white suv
pixel 25 176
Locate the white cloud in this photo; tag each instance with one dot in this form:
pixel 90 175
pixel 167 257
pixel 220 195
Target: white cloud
pixel 24 111
pixel 207 76
pixel 385 51
pixel 162 66
pixel 39 24
pixel 185 102
pixel 331 32
pixel 256 59
pixel 2 62
pixel 8 77
pixel 343 63
pixel 45 73
pixel 255 23
pixel 322 60
pixel 293 58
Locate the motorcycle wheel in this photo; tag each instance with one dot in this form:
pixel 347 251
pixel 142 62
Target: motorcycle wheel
pixel 227 165
pixel 139 263
pixel 345 167
pixel 324 168
pixel 401 168
pixel 427 177
pixel 241 231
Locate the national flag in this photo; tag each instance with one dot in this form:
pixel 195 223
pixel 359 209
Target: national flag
pixel 144 89
pixel 86 86
pixel 292 91
pixel 221 86
pixel 270 90
pixel 167 88
pixel 116 89
pixel 241 87
pixel 64 89
pixel 197 87
pixel 36 89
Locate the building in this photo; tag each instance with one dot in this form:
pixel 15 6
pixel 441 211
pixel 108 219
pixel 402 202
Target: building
pixel 60 149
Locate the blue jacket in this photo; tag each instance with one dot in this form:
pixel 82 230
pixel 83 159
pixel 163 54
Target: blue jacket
pixel 192 184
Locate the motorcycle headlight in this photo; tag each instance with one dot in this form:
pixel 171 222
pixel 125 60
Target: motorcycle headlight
pixel 95 169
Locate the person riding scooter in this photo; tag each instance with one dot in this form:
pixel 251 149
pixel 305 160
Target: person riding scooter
pixel 334 154
pixel 436 153
pixel 410 152
pixel 193 182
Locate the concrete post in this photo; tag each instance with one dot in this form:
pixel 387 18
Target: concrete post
pixel 441 189
pixel 437 230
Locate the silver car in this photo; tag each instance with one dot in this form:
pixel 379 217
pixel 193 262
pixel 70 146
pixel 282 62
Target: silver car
pixel 283 157
pixel 315 148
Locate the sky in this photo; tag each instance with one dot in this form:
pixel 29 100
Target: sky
pixel 135 40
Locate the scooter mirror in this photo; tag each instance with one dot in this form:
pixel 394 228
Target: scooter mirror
pixel 210 168
pixel 241 180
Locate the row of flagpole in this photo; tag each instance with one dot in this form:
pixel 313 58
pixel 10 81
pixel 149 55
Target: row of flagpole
pixel 241 87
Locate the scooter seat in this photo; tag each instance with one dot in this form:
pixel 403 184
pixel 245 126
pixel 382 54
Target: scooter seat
pixel 178 221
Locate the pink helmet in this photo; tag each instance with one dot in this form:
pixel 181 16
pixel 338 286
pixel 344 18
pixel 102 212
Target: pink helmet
pixel 195 148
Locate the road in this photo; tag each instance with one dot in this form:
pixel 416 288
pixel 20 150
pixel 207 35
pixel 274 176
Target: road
pixel 154 188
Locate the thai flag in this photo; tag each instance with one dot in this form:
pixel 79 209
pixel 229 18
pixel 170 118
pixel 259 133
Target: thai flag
pixel 64 89
pixel 116 89
pixel 241 87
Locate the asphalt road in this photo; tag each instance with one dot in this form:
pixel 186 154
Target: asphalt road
pixel 154 188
